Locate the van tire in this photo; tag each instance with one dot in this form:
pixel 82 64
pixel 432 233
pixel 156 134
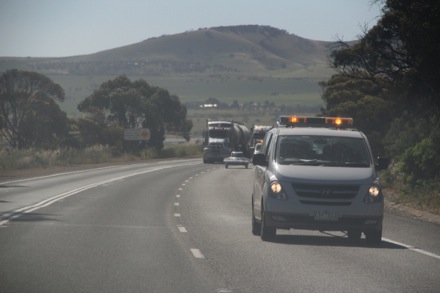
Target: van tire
pixel 373 237
pixel 256 227
pixel 267 233
pixel 354 235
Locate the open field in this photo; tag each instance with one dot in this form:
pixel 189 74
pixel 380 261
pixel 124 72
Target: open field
pixel 249 118
pixel 290 92
pixel 289 95
pixel 247 64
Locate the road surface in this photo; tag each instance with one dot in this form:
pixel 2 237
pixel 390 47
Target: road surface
pixel 184 226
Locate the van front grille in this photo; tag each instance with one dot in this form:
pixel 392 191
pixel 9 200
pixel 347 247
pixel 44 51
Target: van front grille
pixel 332 195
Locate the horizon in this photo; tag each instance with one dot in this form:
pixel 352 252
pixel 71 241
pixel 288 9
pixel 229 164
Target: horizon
pixel 54 28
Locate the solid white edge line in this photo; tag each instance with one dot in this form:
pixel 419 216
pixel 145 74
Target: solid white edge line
pixel 197 253
pixel 412 248
pixel 6 218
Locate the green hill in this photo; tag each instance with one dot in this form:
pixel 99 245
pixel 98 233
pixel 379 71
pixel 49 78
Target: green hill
pixel 247 63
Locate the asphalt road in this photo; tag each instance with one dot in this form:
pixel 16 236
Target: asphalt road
pixel 184 226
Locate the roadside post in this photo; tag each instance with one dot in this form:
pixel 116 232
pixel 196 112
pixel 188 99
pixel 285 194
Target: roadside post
pixel 137 134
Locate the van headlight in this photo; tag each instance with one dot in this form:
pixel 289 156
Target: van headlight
pixel 374 193
pixel 275 186
pixel 276 190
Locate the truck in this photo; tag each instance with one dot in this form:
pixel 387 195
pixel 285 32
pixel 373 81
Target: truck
pixel 223 137
pixel 258 133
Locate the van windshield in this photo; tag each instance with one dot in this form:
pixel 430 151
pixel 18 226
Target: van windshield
pixel 322 151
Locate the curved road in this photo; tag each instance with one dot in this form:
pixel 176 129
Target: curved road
pixel 184 226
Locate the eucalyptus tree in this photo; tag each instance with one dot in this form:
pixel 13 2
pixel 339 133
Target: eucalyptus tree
pixel 401 54
pixel 395 69
pixel 29 112
pixel 121 103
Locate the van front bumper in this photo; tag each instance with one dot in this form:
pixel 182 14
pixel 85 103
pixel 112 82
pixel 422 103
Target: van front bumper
pixel 309 222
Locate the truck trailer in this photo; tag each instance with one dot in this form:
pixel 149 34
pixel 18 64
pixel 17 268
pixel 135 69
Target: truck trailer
pixel 223 137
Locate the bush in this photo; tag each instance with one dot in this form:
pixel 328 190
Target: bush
pixel 25 159
pixel 421 162
pixel 425 195
pixel 181 151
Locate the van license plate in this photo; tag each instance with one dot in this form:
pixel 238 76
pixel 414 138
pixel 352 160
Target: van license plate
pixel 326 216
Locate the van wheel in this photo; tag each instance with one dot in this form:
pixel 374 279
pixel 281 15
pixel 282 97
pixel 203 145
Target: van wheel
pixel 354 235
pixel 267 233
pixel 256 227
pixel 373 237
pixel 226 166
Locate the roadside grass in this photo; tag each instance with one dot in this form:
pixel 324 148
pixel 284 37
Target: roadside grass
pixel 425 195
pixel 11 160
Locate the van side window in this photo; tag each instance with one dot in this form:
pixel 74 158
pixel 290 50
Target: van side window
pixel 266 143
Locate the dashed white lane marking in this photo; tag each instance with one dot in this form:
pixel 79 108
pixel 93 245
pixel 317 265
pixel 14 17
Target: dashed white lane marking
pixel 413 248
pixel 197 253
pixel 182 229
pixel 6 218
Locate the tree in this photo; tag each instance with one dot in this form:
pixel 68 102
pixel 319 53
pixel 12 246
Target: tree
pixel 362 100
pixel 398 60
pixel 403 49
pixel 31 117
pixel 127 104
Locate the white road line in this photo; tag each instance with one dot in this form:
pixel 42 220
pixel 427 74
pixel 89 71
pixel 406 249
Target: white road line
pixel 413 248
pixel 197 253
pixel 177 215
pixel 6 218
pixel 182 229
pixel 176 204
pixel 177 195
pixel 57 174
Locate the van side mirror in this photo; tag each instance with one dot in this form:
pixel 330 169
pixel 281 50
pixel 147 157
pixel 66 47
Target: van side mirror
pixel 259 159
pixel 382 163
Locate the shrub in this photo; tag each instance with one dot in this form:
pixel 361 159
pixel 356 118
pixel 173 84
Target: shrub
pixel 421 162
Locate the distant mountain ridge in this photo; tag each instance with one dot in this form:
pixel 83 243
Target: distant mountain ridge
pixel 244 63
pixel 243 49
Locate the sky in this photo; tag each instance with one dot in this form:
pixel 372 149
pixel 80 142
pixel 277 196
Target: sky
pixel 61 28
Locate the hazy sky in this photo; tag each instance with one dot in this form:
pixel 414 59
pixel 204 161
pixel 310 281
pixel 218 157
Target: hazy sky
pixel 59 28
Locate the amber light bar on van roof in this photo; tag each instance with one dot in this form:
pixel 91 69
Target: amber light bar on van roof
pixel 315 121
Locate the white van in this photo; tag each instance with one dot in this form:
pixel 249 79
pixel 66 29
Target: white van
pixel 317 173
